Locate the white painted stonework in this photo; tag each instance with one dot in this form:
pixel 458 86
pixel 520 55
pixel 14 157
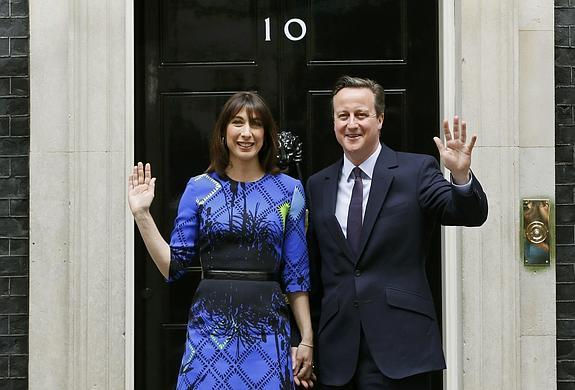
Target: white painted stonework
pixel 79 233
pixel 507 90
pixel 496 71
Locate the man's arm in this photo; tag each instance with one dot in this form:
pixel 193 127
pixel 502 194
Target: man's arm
pixel 314 263
pixel 446 203
pixel 463 202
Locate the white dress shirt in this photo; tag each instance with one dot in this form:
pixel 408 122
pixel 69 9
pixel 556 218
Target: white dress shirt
pixel 346 181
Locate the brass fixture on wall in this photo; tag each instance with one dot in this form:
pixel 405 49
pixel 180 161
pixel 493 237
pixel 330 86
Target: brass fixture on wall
pixel 536 234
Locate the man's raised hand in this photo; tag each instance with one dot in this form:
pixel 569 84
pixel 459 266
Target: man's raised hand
pixel 456 153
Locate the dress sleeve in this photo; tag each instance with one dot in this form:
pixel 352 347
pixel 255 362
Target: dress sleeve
pixel 184 235
pixel 295 271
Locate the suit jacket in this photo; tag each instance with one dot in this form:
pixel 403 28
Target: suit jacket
pixel 383 288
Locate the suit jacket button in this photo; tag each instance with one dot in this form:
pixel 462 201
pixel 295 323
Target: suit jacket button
pixel 355 304
pixel 357 272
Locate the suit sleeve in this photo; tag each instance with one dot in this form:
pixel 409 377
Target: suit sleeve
pixel 441 199
pixel 316 293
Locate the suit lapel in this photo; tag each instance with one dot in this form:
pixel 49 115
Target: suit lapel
pixel 380 184
pixel 331 181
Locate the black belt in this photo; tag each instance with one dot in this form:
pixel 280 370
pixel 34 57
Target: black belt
pixel 240 275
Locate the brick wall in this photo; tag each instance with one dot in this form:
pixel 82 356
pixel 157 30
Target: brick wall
pixel 14 172
pixel 565 190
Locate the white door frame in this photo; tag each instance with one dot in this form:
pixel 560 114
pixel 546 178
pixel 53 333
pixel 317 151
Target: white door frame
pixel 449 77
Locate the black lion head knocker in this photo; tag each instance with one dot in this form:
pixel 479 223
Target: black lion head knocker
pixel 290 151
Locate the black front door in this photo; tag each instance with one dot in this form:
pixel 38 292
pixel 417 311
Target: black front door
pixel 191 55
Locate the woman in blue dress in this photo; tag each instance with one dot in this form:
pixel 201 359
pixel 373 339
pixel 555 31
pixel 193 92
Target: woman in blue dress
pixel 243 222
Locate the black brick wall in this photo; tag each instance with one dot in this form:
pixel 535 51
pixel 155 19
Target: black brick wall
pixel 565 189
pixel 14 184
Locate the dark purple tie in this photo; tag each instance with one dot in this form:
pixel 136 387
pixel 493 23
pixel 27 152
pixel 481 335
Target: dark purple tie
pixel 354 213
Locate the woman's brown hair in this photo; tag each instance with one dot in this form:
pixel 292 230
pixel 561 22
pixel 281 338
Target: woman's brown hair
pixel 255 107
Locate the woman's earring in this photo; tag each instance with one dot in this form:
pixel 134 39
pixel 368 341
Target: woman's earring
pixel 224 142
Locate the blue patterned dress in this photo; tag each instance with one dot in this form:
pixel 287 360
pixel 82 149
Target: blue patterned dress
pixel 238 330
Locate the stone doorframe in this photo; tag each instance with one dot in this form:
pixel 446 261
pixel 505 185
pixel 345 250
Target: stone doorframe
pixel 496 69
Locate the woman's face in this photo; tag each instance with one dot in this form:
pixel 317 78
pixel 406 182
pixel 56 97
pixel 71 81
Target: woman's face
pixel 244 137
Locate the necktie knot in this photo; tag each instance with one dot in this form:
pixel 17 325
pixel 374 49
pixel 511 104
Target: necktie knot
pixel 357 173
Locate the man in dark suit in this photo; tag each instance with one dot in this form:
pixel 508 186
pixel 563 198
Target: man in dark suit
pixel 371 218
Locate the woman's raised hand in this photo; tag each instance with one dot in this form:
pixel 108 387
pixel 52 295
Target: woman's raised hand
pixel 141 186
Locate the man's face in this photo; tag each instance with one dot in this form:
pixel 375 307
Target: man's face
pixel 356 123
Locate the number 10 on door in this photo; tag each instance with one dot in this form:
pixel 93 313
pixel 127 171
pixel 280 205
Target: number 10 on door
pixel 287 29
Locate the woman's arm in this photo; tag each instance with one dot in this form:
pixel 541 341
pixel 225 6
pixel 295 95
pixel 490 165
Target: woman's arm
pixel 141 187
pixel 303 362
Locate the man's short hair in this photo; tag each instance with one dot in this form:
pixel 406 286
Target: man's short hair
pixel 357 82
